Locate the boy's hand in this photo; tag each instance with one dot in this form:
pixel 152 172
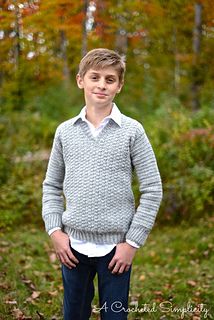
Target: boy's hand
pixel 123 257
pixel 60 242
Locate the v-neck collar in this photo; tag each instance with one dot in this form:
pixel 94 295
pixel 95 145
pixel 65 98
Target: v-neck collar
pixel 85 128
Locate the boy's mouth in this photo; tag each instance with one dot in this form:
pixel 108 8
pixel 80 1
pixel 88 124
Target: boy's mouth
pixel 100 94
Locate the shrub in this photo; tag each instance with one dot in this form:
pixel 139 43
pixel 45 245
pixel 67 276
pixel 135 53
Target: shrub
pixel 183 142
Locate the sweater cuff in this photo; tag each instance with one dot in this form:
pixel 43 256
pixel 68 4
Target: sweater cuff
pixel 132 243
pixel 52 221
pixel 138 234
pixel 52 230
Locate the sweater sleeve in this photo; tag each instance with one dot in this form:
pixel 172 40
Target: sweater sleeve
pixel 150 186
pixel 52 198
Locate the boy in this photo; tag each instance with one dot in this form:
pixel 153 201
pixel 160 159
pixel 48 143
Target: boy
pixel 91 163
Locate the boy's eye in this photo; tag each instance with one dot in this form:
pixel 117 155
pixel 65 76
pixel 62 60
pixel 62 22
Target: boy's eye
pixel 96 77
pixel 110 80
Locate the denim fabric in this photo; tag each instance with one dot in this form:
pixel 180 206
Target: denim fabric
pixel 78 285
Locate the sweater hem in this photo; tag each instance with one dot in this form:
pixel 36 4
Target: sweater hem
pixel 95 236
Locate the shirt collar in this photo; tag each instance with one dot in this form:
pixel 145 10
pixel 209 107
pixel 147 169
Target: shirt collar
pixel 114 115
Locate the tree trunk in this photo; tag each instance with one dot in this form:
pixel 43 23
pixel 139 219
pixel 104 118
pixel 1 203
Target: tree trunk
pixel 121 39
pixel 63 48
pixel 17 49
pixel 177 63
pixel 121 42
pixel 18 102
pixel 84 31
pixel 196 53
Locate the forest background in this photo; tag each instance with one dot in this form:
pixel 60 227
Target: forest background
pixel 169 50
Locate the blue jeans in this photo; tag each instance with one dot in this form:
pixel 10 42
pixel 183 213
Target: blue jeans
pixel 78 285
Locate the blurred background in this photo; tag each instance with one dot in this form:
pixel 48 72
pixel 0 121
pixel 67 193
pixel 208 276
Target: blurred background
pixel 169 50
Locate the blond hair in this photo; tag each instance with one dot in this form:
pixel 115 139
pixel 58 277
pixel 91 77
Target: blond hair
pixel 101 58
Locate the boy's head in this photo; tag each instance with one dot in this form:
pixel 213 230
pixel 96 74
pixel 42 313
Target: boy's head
pixel 102 58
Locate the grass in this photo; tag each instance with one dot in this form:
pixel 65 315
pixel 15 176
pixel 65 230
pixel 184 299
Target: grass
pixel 172 275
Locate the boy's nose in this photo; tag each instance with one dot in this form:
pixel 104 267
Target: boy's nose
pixel 102 84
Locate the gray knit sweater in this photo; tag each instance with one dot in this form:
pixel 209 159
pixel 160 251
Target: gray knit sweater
pixel 87 189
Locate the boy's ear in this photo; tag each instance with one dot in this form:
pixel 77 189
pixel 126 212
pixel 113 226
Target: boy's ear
pixel 79 81
pixel 120 87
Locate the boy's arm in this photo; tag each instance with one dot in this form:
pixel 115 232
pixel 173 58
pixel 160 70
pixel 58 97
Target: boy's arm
pixel 52 199
pixel 53 203
pixel 150 187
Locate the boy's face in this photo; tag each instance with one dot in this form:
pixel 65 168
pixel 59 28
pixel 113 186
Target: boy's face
pixel 100 86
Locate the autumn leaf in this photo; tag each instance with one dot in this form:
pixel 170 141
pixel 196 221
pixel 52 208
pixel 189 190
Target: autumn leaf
pixel 197 293
pixel 53 293
pixel 168 286
pixel 206 253
pixel 192 283
pixel 28 282
pixel 176 270
pixel 152 253
pixel 53 257
pixel 34 296
pixel 17 313
pixel 38 273
pixel 27 266
pixel 4 243
pixel 158 293
pixel 4 286
pixel 56 266
pixel 11 302
pixel 60 286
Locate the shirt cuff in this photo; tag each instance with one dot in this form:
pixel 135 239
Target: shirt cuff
pixel 133 244
pixel 52 230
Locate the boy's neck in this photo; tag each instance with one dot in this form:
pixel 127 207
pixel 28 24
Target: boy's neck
pixel 96 115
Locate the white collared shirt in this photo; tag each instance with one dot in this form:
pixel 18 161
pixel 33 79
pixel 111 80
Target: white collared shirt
pixel 88 248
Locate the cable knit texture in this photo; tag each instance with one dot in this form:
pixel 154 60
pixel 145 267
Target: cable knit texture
pixel 87 189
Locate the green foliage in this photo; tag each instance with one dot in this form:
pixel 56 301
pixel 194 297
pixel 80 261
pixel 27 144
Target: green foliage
pixel 58 102
pixel 183 144
pixel 5 167
pixel 27 137
pixel 20 197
